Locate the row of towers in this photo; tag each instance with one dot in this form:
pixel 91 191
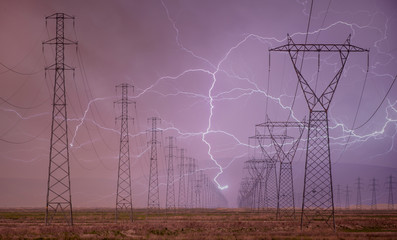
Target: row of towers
pixel 318 196
pixel 195 190
pixel 372 189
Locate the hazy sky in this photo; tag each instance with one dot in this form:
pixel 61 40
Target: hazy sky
pixel 203 68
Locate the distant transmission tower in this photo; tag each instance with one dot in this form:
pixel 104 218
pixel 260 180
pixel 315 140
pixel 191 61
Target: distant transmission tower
pixel 390 201
pixel 347 201
pixel 170 193
pixel 153 201
pixel 358 203
pixel 124 194
pixel 338 201
pixel 191 178
pixel 285 156
pixel 373 187
pixel 59 197
pixel 182 191
pixel 318 201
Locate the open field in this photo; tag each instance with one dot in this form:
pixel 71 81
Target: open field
pixel 197 224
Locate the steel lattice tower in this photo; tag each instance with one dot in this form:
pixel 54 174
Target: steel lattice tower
pixel 170 193
pixel 285 191
pixel 191 178
pixel 153 201
pixel 269 173
pixel 59 197
pixel 390 200
pixel 338 201
pixel 347 201
pixel 182 191
pixel 373 191
pixel 358 202
pixel 318 201
pixel 124 193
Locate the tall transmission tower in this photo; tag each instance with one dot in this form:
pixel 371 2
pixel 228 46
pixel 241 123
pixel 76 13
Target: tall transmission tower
pixel 59 197
pixel 269 173
pixel 124 193
pixel 390 200
pixel 170 193
pixel 318 201
pixel 153 201
pixel 285 156
pixel 347 195
pixel 373 186
pixel 358 202
pixel 182 188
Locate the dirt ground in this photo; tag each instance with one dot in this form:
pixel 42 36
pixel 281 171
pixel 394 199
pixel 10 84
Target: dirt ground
pixel 196 224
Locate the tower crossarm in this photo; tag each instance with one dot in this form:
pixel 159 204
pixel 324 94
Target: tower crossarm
pixel 327 47
pixel 317 101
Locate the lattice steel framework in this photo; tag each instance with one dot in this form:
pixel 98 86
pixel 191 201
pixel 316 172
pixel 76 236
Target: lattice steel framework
pixel 347 195
pixel 373 186
pixel 170 193
pixel 124 192
pixel 256 169
pixel 59 197
pixel 318 202
pixel 153 201
pixel 191 179
pixel 285 156
pixel 269 172
pixel 338 199
pixel 358 197
pixel 182 187
pixel 390 199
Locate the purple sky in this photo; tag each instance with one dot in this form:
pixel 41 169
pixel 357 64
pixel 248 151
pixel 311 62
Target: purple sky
pixel 182 57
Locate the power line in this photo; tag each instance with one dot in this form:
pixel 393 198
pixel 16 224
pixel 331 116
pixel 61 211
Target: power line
pixel 376 110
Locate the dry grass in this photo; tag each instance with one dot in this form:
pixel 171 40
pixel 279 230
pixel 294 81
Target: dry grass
pixel 205 224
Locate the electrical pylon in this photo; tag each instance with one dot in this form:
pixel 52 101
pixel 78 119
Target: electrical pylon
pixel 358 202
pixel 347 195
pixel 182 188
pixel 59 197
pixel 153 201
pixel 256 169
pixel 390 200
pixel 338 201
pixel 373 191
pixel 285 156
pixel 170 193
pixel 191 178
pixel 124 193
pixel 318 201
pixel 269 172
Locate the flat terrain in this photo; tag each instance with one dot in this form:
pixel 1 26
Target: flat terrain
pixel 195 224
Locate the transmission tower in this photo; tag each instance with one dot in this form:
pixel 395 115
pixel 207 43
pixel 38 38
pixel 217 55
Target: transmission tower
pixel 170 193
pixel 373 186
pixel 59 197
pixel 198 189
pixel 347 194
pixel 124 193
pixel 318 202
pixel 153 201
pixel 338 201
pixel 191 178
pixel 256 170
pixel 268 173
pixel 390 201
pixel 285 156
pixel 358 203
pixel 182 189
